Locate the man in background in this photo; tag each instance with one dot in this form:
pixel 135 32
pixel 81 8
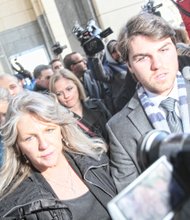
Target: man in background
pixel 78 65
pixel 11 83
pixel 94 88
pixel 42 74
pixel 56 64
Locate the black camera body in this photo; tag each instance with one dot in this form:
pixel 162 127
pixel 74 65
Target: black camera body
pixel 176 147
pixel 162 190
pixel 150 8
pixel 58 49
pixel 91 37
pixel 21 72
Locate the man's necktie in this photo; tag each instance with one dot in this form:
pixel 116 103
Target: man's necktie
pixel 174 122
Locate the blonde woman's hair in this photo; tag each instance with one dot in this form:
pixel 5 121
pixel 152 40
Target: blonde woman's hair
pixel 67 74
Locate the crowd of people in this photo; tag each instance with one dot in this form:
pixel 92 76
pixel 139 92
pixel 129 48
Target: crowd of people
pixel 68 143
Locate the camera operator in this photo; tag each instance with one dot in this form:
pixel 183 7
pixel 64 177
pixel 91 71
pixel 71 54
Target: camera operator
pixel 91 41
pixel 112 71
pixel 147 44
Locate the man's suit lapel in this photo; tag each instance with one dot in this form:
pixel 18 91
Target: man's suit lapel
pixel 137 116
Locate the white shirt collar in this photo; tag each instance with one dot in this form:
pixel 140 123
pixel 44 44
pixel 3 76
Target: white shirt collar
pixel 156 99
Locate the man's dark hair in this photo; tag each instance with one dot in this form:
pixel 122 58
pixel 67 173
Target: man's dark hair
pixel 68 61
pixel 145 24
pixel 54 60
pixel 38 69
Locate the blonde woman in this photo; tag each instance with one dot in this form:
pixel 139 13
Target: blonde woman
pixel 92 114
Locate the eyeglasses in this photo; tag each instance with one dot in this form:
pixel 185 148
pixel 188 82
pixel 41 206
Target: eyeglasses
pixel 83 60
pixel 47 77
pixel 58 67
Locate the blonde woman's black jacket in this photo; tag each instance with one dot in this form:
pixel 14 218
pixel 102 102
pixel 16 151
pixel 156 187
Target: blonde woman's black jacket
pixel 95 117
pixel 34 198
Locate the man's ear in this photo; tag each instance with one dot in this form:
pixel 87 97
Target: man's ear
pixel 131 72
pixel 37 79
pixel 129 66
pixel 72 67
pixel 20 84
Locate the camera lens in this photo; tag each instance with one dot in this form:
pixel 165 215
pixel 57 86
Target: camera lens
pixel 157 143
pixel 148 150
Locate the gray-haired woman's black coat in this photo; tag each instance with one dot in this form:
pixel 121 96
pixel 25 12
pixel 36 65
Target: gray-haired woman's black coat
pixel 34 198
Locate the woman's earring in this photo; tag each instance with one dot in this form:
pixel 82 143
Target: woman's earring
pixel 65 142
pixel 25 159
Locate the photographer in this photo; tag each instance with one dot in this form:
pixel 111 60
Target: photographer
pixel 92 44
pixel 112 71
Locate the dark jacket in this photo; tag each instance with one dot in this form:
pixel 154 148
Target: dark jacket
pixel 95 117
pixel 125 93
pixel 111 72
pixel 38 88
pixel 95 88
pixel 34 198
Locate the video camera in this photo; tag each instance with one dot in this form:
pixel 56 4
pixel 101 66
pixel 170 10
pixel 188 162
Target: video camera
pixel 176 147
pixel 21 72
pixel 91 37
pixel 58 49
pixel 150 8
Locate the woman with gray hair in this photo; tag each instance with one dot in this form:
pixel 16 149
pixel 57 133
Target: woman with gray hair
pixel 92 114
pixel 51 169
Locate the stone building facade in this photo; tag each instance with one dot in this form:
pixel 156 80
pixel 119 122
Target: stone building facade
pixel 29 28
